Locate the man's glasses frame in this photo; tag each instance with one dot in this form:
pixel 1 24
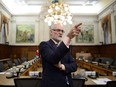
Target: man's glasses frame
pixel 58 30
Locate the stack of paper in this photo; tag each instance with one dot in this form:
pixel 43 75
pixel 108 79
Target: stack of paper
pixel 101 80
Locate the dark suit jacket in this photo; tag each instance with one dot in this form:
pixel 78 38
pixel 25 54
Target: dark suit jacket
pixel 51 55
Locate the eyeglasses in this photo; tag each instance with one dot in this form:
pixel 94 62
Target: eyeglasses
pixel 58 30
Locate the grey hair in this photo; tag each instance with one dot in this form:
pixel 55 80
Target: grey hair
pixel 51 27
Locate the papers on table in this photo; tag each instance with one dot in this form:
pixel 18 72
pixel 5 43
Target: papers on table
pixel 34 73
pixel 90 73
pixel 4 72
pixel 114 73
pixel 101 80
pixel 20 66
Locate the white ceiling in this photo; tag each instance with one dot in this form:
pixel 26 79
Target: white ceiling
pixel 35 7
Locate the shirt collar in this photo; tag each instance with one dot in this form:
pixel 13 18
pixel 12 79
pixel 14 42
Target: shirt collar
pixel 55 41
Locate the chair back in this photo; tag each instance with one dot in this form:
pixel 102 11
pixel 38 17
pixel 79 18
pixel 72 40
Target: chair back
pixel 78 82
pixel 1 67
pixel 27 82
pixel 10 63
pixel 16 62
pixel 111 84
pixel 24 59
pixel 19 60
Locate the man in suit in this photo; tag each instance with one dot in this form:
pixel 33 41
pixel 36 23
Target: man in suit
pixel 57 62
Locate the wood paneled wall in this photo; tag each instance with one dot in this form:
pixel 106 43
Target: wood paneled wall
pixel 4 51
pixel 7 51
pixel 94 50
pixel 108 50
pixel 23 51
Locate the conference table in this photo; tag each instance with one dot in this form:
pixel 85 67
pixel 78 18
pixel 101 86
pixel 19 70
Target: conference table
pixel 9 82
pixel 94 67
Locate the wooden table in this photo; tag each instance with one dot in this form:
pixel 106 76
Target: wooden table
pixel 4 60
pixel 10 82
pixel 93 67
pixel 33 67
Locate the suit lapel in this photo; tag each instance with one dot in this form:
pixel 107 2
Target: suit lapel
pixel 52 44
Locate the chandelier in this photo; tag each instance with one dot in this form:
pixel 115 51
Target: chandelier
pixel 58 13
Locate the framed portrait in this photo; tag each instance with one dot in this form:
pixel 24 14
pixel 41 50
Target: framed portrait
pixel 25 33
pixel 87 34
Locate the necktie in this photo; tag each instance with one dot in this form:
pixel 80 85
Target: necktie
pixel 56 45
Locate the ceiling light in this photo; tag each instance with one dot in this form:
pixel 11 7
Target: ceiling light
pixel 20 2
pixel 58 13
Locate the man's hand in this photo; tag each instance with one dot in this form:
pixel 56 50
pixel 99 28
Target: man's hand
pixel 74 31
pixel 60 66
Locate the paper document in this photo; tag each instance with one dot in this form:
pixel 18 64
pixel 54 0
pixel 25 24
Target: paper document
pixel 101 80
pixel 4 72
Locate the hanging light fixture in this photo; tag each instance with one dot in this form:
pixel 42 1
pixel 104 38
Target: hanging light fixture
pixel 58 13
pixel 21 2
